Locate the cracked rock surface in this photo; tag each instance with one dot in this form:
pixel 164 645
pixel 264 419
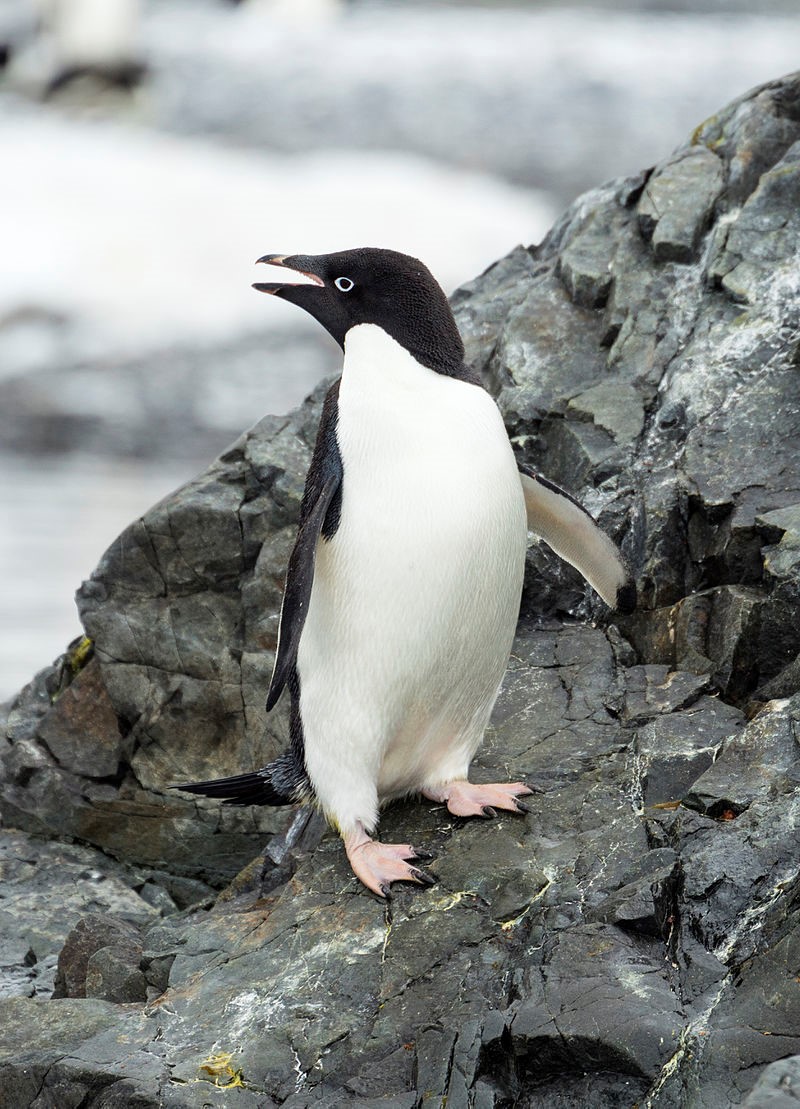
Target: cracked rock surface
pixel 635 938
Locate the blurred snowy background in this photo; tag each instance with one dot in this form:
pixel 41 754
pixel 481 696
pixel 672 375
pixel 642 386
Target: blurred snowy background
pixel 152 149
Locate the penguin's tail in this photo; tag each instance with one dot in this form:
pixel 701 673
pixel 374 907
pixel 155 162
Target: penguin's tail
pixel 274 784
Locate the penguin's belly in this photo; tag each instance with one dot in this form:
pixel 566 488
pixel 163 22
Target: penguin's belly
pixel 416 596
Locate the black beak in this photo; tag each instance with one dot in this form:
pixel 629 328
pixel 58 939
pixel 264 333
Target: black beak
pixel 298 263
pixel 320 300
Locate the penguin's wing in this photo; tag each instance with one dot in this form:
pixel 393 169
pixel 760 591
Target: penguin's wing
pixel 319 516
pixel 568 528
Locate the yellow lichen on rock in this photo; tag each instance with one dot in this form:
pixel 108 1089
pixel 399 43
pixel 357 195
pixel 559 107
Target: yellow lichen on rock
pixel 218 1066
pixel 80 654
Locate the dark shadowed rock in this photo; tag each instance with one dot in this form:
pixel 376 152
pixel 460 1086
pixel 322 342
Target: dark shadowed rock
pixel 101 958
pixel 633 939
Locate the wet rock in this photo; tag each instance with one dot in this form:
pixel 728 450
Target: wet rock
pixel 632 938
pixel 630 1026
pixel 782 685
pixel 653 690
pixel 763 754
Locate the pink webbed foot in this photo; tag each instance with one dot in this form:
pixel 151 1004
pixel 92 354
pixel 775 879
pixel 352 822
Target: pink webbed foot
pixel 467 799
pixel 377 865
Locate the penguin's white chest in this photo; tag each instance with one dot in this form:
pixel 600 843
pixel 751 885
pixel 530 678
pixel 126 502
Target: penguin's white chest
pixel 415 598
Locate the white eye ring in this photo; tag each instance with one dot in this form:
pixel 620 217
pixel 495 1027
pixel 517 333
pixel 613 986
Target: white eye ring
pixel 344 284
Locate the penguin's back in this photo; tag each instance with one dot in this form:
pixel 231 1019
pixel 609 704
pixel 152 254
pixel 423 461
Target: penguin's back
pixel 416 596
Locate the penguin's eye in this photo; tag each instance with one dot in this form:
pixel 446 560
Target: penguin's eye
pixel 344 284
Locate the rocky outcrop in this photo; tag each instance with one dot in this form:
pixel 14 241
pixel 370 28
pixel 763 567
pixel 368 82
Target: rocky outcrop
pixel 634 938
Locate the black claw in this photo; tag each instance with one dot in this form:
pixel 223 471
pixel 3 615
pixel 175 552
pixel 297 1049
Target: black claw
pixel 423 876
pixel 489 812
pixel 426 856
pixel 521 806
pixel 386 891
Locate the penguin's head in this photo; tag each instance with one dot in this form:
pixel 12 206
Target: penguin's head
pixel 369 286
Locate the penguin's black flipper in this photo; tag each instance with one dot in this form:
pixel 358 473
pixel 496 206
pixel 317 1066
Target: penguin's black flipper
pixel 320 511
pixel 567 527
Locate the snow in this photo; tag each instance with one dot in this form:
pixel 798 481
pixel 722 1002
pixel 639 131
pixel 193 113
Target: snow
pixel 144 239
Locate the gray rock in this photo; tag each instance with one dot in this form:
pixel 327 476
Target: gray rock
pixel 45 888
pixel 754 243
pixel 81 731
pixel 678 201
pixel 634 937
pixel 585 265
pixel 616 408
pixel 114 974
pixel 100 958
pixel 49 1048
pixel 778 1086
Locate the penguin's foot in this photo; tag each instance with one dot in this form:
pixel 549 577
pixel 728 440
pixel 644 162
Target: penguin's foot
pixel 377 865
pixel 467 799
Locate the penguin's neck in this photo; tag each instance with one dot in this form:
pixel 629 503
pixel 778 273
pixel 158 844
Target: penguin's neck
pixel 435 343
pixel 390 402
pixel 375 364
pixel 383 382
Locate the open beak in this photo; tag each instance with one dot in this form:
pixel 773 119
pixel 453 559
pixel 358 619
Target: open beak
pixel 313 295
pixel 294 263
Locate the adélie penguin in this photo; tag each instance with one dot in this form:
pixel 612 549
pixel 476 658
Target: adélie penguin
pixel 404 584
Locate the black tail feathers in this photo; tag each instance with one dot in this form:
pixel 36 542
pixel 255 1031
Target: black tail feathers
pixel 257 788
